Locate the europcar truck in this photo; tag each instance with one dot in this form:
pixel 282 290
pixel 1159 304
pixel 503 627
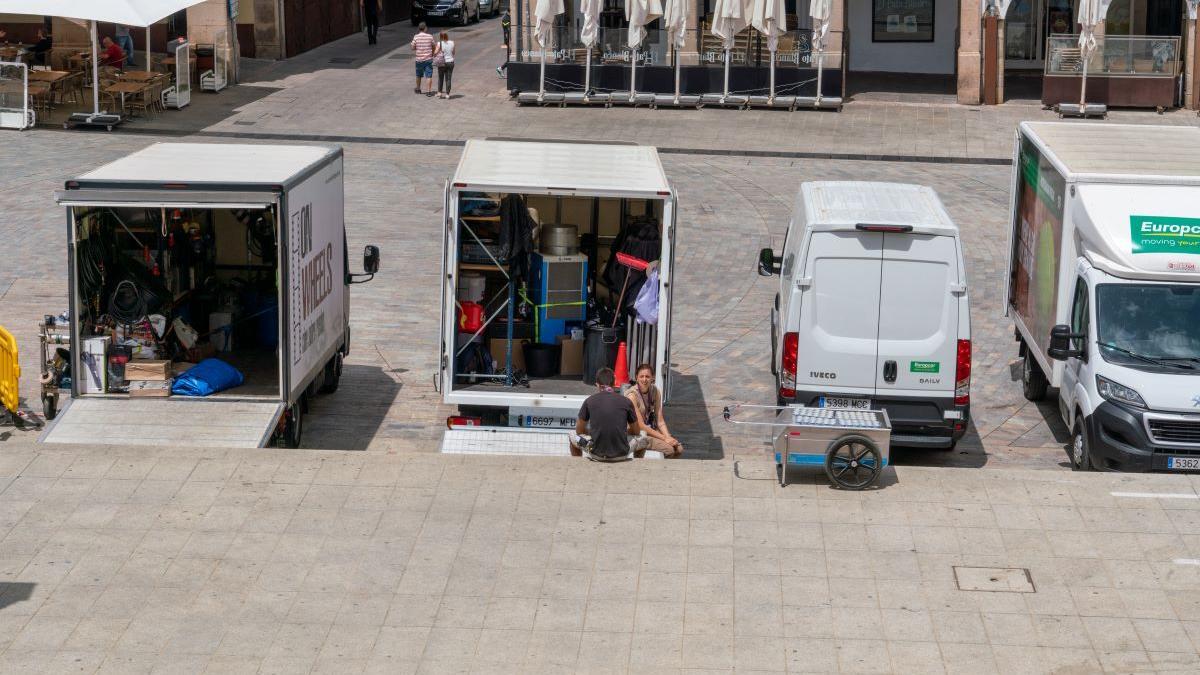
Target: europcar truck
pixel 1103 285
pixel 583 201
pixel 181 251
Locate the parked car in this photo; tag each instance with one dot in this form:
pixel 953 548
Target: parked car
pixel 460 11
pixel 872 309
pixel 489 8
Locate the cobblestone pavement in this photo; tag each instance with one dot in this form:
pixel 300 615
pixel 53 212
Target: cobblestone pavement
pixel 274 561
pixel 720 348
pixel 349 89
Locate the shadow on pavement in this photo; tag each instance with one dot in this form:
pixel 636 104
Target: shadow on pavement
pixel 14 592
pixel 351 417
pixel 690 419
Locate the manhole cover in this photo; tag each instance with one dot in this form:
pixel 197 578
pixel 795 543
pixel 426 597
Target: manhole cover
pixel 342 60
pixel 996 579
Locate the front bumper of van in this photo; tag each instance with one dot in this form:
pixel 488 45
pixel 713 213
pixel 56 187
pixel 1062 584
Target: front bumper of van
pixel 916 422
pixel 1118 441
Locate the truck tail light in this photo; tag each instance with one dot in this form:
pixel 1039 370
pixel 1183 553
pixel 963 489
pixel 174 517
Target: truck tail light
pixel 463 421
pixel 790 356
pixel 962 374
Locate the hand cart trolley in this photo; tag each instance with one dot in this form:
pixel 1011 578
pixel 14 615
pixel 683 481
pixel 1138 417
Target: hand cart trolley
pixel 852 444
pixel 55 346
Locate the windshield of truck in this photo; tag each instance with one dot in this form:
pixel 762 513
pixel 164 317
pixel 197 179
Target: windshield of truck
pixel 1149 325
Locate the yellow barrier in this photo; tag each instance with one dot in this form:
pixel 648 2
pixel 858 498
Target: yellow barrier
pixel 10 371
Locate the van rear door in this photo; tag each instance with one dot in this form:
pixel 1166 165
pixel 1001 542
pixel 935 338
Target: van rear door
pixel 918 315
pixel 839 313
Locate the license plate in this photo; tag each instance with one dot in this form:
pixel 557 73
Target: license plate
pixel 546 422
pixel 1184 463
pixel 844 402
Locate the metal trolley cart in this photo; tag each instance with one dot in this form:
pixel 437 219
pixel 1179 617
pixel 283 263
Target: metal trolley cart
pixel 852 444
pixel 55 344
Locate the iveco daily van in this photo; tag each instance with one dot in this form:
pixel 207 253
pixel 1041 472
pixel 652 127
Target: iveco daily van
pixel 1104 288
pixel 872 308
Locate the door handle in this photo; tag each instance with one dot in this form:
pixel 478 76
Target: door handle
pixel 889 371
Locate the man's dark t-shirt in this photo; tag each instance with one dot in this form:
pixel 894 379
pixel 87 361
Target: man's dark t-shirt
pixel 608 415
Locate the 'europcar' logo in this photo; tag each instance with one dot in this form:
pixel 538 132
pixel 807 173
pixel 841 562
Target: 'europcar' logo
pixel 1196 401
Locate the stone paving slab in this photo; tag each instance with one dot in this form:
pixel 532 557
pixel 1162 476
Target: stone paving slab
pixel 182 560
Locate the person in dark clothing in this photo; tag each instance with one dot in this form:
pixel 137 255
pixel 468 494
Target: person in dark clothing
pixel 370 13
pixel 606 423
pixel 506 26
pixel 41 50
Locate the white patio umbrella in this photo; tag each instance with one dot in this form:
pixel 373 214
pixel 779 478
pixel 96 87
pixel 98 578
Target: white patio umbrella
pixel 142 13
pixel 821 11
pixel 545 11
pixel 1091 12
pixel 590 35
pixel 639 13
pixel 769 17
pixel 675 17
pixel 730 17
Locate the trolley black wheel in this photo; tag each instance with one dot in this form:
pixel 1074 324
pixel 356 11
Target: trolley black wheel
pixel 49 406
pixel 853 462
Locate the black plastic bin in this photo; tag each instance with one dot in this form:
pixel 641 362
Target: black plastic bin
pixel 600 349
pixel 542 360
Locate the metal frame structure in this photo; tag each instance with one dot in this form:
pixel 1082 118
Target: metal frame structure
pixel 12 117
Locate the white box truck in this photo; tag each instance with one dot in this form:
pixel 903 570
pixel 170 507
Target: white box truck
pixel 1103 286
pixel 517 291
pixel 872 310
pixel 183 251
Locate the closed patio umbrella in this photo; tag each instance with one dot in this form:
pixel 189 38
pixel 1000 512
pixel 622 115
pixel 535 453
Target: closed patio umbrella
pixel 590 35
pixel 730 17
pixel 769 17
pixel 675 18
pixel 1091 12
pixel 545 11
pixel 129 12
pixel 639 13
pixel 821 12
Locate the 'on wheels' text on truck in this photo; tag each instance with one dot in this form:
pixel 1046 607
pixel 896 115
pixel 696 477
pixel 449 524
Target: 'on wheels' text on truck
pixel 1104 288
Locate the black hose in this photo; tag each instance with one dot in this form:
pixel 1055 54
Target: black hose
pixel 126 304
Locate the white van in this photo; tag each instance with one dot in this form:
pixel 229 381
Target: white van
pixel 872 308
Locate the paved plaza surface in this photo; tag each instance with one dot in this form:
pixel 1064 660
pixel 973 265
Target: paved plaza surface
pixel 274 561
pixel 368 551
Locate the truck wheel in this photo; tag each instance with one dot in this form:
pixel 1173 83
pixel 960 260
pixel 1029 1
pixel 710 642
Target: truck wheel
pixel 774 346
pixel 49 407
pixel 1033 380
pixel 333 374
pixel 293 426
pixel 1080 453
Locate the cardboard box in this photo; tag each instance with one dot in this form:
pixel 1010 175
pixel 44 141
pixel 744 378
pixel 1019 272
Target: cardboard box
pixel 572 356
pixel 496 346
pixel 149 388
pixel 139 369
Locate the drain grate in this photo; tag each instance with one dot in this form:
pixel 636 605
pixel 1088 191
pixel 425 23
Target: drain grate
pixel 994 579
pixel 245 123
pixel 342 60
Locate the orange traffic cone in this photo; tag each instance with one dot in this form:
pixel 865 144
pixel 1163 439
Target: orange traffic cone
pixel 621 367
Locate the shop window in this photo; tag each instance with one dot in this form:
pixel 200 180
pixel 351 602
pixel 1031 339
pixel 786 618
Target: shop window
pixel 902 21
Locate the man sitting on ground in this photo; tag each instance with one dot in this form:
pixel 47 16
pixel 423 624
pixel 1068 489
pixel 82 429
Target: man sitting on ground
pixel 610 421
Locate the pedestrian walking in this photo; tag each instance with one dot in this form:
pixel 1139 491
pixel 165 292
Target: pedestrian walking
pixel 422 46
pixel 125 40
pixel 506 26
pixel 443 58
pixel 370 13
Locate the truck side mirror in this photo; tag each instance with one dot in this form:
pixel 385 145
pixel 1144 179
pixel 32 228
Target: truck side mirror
pixel 1060 343
pixel 371 259
pixel 768 263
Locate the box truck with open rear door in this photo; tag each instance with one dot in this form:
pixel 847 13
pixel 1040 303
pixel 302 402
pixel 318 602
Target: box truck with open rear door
pixel 535 298
pixel 181 252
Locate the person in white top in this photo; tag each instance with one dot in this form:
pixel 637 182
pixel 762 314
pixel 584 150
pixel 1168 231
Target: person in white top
pixel 443 58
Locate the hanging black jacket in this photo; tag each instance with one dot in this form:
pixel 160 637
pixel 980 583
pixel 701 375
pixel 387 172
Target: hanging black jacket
pixel 516 236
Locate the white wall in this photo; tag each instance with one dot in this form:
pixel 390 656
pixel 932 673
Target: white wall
pixel 902 57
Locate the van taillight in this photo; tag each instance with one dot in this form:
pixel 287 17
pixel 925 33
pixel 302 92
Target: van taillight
pixel 962 374
pixel 463 421
pixel 787 378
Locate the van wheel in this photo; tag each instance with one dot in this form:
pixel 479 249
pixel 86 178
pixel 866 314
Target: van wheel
pixel 1080 453
pixel 1033 380
pixel 774 346
pixel 293 426
pixel 49 407
pixel 333 374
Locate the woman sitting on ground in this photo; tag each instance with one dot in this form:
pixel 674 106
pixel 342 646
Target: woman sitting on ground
pixel 647 401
